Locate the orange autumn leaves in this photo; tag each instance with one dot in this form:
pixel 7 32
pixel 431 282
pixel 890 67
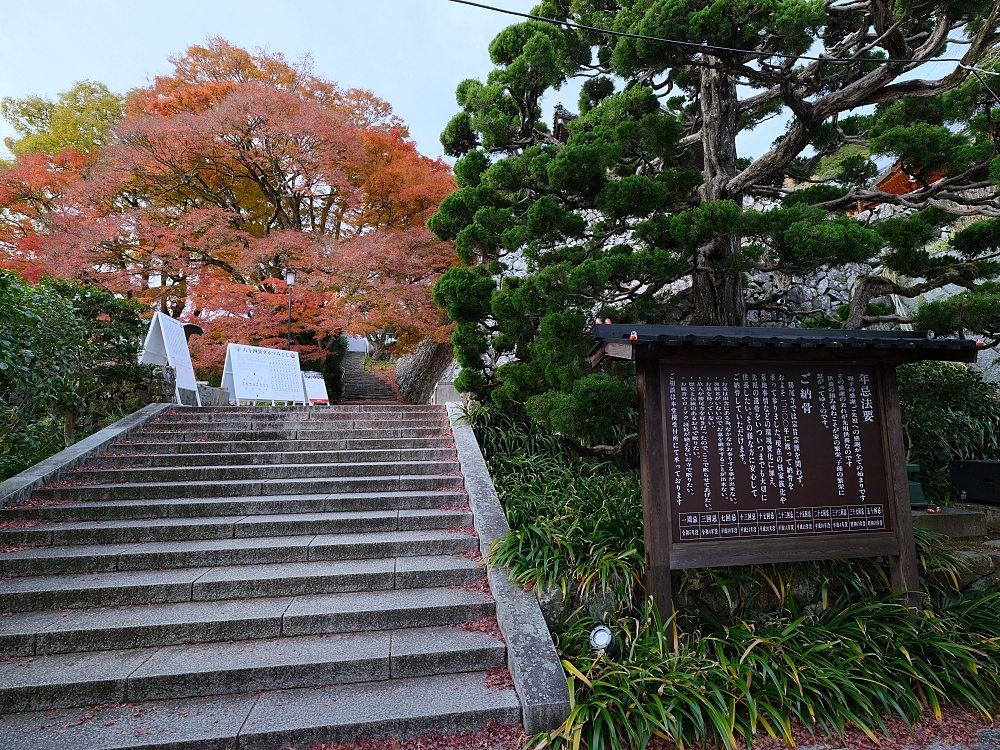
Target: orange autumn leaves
pixel 221 176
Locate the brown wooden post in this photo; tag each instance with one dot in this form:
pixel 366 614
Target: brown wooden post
pixel 902 567
pixel 655 503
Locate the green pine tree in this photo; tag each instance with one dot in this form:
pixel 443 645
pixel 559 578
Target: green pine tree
pixel 608 214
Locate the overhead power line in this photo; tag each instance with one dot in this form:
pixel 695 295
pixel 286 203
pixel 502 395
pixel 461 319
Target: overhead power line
pixel 704 48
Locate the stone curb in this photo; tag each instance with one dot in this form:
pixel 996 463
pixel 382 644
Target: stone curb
pixel 534 664
pixel 20 486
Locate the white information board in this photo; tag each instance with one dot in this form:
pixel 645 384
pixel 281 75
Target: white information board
pixel 253 373
pixel 315 387
pixel 166 344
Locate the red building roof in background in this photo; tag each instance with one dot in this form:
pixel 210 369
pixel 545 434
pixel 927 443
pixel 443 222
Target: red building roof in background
pixel 897 182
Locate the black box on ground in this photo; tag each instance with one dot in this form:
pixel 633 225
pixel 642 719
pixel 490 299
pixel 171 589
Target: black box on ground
pixel 976 481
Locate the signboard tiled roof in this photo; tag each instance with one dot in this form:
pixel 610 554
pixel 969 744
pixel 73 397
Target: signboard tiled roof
pixel 826 338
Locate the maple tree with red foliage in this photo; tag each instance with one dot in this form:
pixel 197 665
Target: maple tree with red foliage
pixel 222 175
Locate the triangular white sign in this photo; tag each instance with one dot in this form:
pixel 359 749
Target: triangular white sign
pixel 166 344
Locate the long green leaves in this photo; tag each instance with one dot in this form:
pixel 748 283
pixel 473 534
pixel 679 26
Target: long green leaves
pixel 850 666
pixel 820 644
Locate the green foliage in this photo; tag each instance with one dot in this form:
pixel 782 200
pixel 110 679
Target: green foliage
pixel 81 118
pixel 332 366
pixel 853 659
pixel 610 219
pixel 732 684
pixel 949 413
pixel 574 525
pixel 63 346
pixel 577 526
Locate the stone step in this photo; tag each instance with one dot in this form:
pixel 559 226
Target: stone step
pixel 269 458
pixel 130 627
pixel 194 436
pixel 80 490
pixel 209 420
pixel 115 589
pixel 120 510
pixel 307 410
pixel 234 470
pixel 446 704
pixel 338 423
pixel 132 448
pixel 232 527
pixel 41 561
pixel 204 669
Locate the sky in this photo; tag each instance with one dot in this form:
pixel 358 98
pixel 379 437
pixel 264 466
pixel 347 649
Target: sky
pixel 412 53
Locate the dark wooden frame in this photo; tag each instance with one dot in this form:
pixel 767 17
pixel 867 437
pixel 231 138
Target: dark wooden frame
pixel 664 555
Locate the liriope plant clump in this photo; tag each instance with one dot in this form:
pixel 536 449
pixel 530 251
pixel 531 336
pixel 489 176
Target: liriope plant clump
pixel 752 652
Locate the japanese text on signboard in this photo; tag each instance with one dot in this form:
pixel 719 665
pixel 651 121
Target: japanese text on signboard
pixel 773 451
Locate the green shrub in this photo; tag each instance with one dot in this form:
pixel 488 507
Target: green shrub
pixel 949 413
pixel 63 347
pixel 854 665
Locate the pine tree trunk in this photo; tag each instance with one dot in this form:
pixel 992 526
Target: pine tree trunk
pixel 718 294
pixel 418 373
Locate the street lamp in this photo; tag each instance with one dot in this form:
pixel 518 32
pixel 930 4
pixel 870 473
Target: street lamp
pixel 290 280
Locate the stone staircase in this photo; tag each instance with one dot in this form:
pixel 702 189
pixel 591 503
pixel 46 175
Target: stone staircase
pixel 251 579
pixel 361 387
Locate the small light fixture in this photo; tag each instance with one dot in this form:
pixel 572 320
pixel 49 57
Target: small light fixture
pixel 290 277
pixel 633 336
pixel 603 639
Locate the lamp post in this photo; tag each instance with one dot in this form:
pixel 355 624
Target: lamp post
pixel 290 280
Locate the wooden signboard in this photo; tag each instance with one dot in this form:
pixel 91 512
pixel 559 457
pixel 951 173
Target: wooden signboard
pixel 253 373
pixel 166 344
pixel 763 445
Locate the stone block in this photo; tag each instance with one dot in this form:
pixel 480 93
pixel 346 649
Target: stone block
pixel 952 522
pixel 191 723
pixel 294 579
pixel 383 610
pixel 67 680
pixel 538 675
pixel 987 739
pixel 990 512
pixel 417 652
pixel 392 708
pixel 164 624
pixel 212 553
pixel 248 666
pixel 112 589
pixel 435 571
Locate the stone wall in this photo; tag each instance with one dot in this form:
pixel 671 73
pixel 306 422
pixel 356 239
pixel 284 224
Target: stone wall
pixel 153 385
pixel 811 295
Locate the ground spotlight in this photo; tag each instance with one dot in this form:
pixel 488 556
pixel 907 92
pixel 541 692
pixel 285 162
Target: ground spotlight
pixel 603 639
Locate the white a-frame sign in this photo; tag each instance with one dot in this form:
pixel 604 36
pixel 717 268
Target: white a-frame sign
pixel 166 344
pixel 253 373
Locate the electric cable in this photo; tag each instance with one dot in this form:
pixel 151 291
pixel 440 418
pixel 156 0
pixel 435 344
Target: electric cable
pixel 719 48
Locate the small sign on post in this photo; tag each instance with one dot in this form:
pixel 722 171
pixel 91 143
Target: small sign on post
pixel 315 387
pixel 253 373
pixel 166 345
pixel 771 445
